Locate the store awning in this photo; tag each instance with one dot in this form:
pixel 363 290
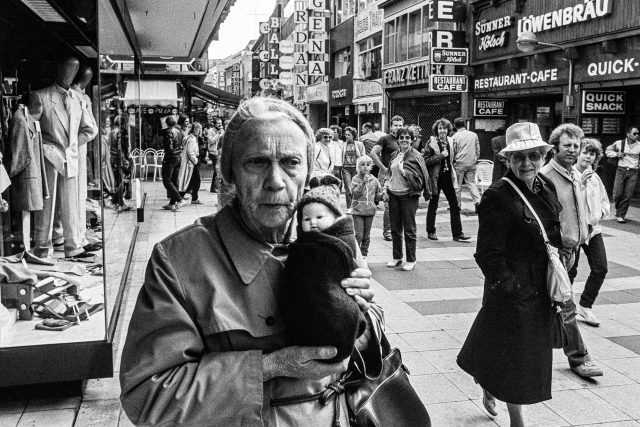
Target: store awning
pixel 152 92
pixel 212 94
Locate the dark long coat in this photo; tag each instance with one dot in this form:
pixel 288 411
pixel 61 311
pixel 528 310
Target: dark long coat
pixel 508 349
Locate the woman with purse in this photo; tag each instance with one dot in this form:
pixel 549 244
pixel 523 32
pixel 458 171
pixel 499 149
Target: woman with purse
pixel 509 348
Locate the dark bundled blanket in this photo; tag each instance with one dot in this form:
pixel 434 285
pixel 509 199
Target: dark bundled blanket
pixel 314 306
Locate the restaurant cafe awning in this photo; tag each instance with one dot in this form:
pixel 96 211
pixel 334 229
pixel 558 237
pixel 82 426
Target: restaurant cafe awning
pixel 212 94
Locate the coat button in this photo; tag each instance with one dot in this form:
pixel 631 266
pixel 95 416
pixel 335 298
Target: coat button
pixel 270 321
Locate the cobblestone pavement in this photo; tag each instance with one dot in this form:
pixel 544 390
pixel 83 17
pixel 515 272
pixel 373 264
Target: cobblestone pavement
pixel 428 314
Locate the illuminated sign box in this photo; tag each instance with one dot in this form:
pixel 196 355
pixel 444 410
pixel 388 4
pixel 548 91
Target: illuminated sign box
pixel 449 56
pixel 603 102
pixel 448 83
pixel 489 107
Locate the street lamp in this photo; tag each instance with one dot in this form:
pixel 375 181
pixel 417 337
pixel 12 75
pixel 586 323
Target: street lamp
pixel 527 42
pixel 359 79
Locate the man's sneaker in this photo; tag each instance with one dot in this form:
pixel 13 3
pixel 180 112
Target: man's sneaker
pixel 461 238
pixel 407 266
pixel 586 315
pixel 432 236
pixel 587 370
pixel 178 205
pixel 168 207
pixel 621 220
pixel 394 263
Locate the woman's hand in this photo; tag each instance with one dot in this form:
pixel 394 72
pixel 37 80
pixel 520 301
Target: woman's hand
pixel 301 362
pixel 586 176
pixel 358 286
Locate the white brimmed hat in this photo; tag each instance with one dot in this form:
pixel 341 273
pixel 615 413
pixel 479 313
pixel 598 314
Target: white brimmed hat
pixel 524 136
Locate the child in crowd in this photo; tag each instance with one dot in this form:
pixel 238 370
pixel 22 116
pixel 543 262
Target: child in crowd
pixel 366 191
pixel 315 308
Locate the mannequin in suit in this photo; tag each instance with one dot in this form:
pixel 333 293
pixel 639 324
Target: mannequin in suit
pixel 80 82
pixel 64 128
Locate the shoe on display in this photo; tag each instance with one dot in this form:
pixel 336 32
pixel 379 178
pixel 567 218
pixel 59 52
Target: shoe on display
pixel 387 237
pixel 586 315
pixel 92 247
pixel 621 220
pixel 394 263
pixel 168 207
pixel 461 238
pixel 407 266
pixel 432 236
pixel 196 202
pixel 82 257
pixel 587 370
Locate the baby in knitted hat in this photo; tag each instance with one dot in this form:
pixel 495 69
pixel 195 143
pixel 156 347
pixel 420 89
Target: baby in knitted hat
pixel 315 308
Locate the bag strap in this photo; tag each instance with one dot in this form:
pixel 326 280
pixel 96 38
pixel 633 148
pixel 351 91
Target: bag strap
pixel 524 199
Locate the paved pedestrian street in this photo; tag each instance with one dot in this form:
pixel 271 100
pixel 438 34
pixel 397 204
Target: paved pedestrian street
pixel 428 313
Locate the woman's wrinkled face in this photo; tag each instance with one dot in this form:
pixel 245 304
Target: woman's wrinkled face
pixel 269 169
pixel 327 138
pixel 526 164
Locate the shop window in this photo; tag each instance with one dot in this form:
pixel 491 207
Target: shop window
pixel 415 34
pixel 341 62
pixel 389 42
pixel 402 39
pixel 369 52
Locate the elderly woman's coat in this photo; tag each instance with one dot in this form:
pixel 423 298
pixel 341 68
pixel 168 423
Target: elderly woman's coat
pixel 188 161
pixel 202 321
pixel 509 348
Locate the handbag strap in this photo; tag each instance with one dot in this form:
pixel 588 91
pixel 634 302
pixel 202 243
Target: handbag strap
pixel 526 202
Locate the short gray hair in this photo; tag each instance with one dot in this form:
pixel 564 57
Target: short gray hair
pixel 261 109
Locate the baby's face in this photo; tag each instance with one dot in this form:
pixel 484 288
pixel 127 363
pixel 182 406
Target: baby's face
pixel 317 217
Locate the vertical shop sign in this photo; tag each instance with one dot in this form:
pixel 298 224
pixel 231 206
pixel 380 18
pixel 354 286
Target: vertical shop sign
pixel 318 5
pixel 274 46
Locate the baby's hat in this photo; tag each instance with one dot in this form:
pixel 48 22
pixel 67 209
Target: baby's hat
pixel 325 189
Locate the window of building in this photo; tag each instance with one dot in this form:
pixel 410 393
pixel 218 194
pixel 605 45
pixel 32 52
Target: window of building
pixel 342 10
pixel 369 53
pixel 415 34
pixel 402 39
pixel 389 42
pixel 341 62
pixel 363 4
pixel 426 24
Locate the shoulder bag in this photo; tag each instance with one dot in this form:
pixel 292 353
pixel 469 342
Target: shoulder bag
pixel 558 283
pixel 614 160
pixel 388 399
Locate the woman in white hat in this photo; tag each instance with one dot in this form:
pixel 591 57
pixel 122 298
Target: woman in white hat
pixel 509 347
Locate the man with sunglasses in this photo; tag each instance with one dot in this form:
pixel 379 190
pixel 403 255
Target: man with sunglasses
pixel 627 171
pixel 567 140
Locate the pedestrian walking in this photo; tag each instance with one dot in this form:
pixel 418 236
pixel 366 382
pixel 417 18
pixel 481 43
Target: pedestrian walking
pixel 597 208
pixel 626 152
pixel 366 191
pixel 437 157
pixel 465 156
pixel 189 178
pixel 323 162
pixel 381 155
pixel 172 144
pixel 120 162
pixel 567 140
pixel 407 180
pixel 336 149
pixel 213 147
pixel 352 150
pixel 509 348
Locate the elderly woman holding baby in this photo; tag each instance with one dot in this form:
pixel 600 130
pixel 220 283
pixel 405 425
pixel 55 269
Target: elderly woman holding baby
pixel 206 343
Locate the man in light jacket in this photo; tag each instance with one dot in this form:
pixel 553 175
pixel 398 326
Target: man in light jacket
pixel 466 152
pixel 567 139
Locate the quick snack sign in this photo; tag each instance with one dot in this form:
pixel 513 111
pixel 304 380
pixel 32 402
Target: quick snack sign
pixel 603 102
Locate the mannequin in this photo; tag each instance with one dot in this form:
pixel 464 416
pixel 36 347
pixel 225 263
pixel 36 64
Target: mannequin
pixel 80 82
pixel 26 170
pixel 64 128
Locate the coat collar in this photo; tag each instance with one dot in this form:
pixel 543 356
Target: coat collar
pixel 247 254
pixel 562 171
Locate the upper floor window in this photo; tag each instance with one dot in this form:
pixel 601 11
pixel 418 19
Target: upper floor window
pixel 341 62
pixel 370 58
pixel 342 10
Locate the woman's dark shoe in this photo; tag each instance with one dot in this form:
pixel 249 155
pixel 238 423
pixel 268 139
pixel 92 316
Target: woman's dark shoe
pixel 489 403
pixel 432 236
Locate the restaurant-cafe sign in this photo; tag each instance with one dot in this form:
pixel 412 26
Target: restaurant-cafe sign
pixel 525 78
pixel 484 107
pixel 603 102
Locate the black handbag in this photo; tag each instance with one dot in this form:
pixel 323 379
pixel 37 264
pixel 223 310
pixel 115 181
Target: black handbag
pixel 388 399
